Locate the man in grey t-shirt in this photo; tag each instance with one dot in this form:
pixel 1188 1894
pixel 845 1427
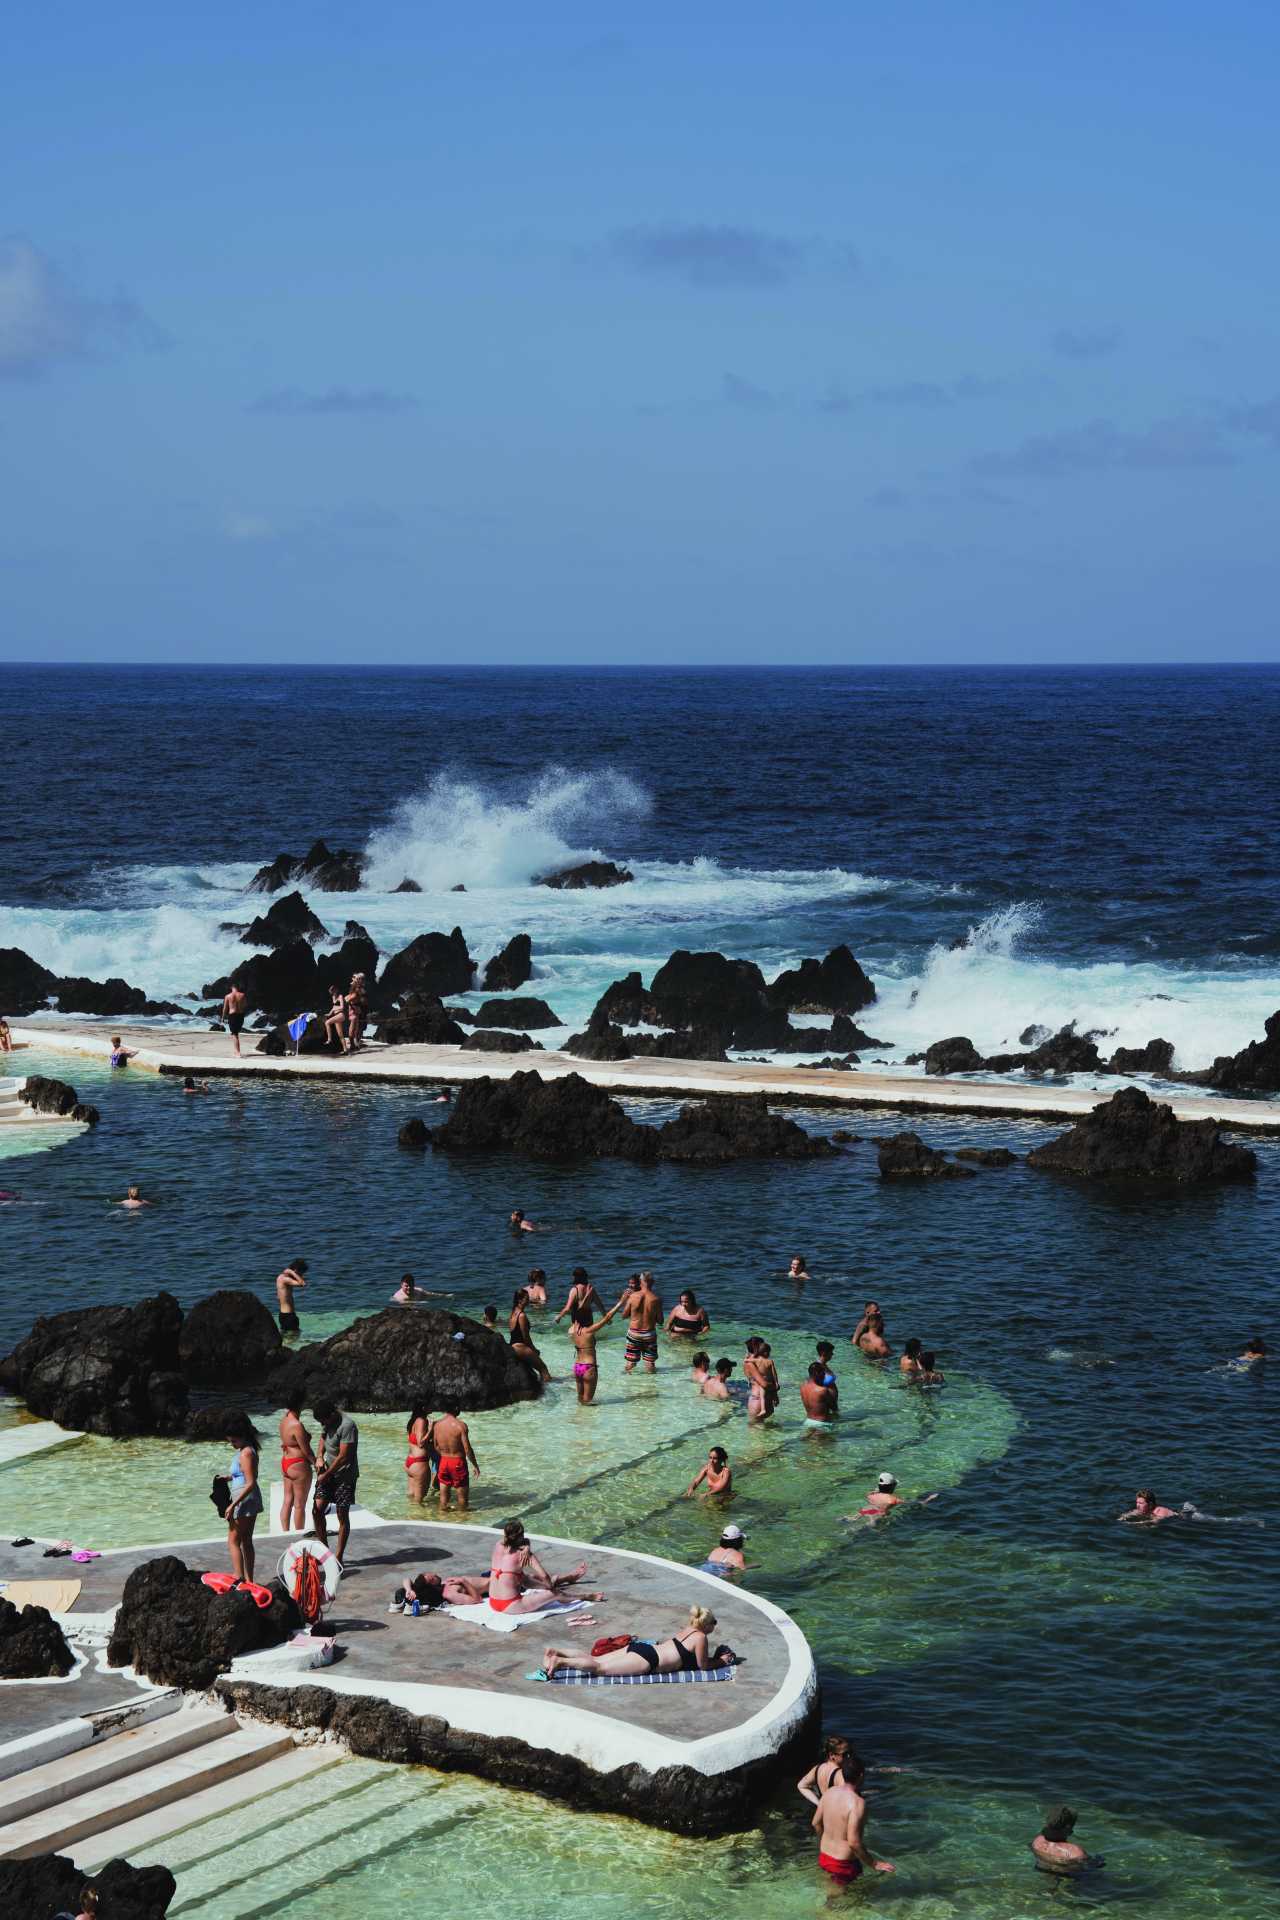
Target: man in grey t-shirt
pixel 337 1471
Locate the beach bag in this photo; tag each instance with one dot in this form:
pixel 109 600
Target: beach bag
pixel 220 1493
pixel 612 1643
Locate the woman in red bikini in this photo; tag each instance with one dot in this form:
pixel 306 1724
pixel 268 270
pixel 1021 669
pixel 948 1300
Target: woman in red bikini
pixel 582 1332
pixel 512 1568
pixel 417 1461
pixel 297 1464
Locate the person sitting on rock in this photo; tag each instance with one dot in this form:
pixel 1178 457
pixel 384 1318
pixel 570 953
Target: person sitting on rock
pixel 686 1651
pixel 520 1334
pixel 1053 1847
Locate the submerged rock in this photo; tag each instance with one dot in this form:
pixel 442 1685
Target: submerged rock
pixel 109 1370
pixel 987 1156
pixel 1255 1069
pixel 434 963
pixel 32 1644
pixel 415 1135
pixel 44 1095
pixel 510 969
pixel 407 886
pixel 401 1355
pixel 523 1013
pixel 227 1339
pixel 49 1884
pixel 179 1633
pixel 1134 1137
pixel 592 873
pixel 904 1156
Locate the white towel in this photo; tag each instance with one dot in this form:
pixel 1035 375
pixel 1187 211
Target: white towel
pixel 483 1615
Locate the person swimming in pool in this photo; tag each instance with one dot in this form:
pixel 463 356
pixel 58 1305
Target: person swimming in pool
pixel 536 1287
pixel 728 1557
pixel 191 1085
pixel 868 1337
pixel 799 1269
pixel 882 1499
pixel 1147 1509
pixel 586 1369
pixel 133 1198
pixel 716 1473
pixel 1254 1354
pixel 687 1651
pixel 518 1222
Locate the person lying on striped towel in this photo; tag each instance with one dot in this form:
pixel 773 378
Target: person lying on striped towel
pixel 687 1651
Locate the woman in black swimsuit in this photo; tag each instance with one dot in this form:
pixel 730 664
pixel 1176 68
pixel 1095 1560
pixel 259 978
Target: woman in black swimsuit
pixel 520 1334
pixel 688 1320
pixel 687 1651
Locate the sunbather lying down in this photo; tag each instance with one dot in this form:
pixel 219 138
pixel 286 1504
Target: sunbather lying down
pixel 687 1650
pixel 468 1590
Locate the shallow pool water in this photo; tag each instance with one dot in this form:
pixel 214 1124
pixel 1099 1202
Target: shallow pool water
pixel 1007 1646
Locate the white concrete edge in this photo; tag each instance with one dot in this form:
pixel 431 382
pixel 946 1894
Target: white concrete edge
pixel 24 1442
pixel 47 1743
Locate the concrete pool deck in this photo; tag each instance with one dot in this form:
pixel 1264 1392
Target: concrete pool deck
pixel 448 1693
pixel 205 1053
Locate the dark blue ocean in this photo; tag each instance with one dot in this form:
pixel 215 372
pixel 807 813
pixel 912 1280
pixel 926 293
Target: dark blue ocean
pixel 998 848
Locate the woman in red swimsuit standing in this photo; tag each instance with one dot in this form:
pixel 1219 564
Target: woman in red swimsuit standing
pixel 417 1461
pixel 297 1464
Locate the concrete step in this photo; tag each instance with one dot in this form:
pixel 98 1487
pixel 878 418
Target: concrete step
pixel 112 1759
pixel 60 1828
pixel 259 1799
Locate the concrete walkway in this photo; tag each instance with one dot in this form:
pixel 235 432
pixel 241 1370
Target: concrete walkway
pixel 201 1052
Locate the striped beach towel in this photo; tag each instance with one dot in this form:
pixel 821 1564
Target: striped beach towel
pixel 572 1677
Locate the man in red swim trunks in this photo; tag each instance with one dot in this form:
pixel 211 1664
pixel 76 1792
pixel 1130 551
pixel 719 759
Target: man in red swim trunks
pixel 840 1820
pixel 452 1442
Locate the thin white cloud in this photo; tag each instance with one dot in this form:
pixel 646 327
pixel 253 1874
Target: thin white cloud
pixel 46 322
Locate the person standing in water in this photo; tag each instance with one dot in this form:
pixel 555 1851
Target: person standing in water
pixel 582 1293
pixel 520 1334
pixel 586 1369
pixel 455 1459
pixel 700 1370
pixel 234 1006
pixel 120 1054
pixel 644 1310
pixel 717 1473
pixel 716 1384
pixel 835 1749
pixel 909 1366
pixel 246 1494
pixel 1053 1847
pixel 417 1461
pixel 290 1278
pixel 297 1465
pixel 840 1821
pixel 869 1336
pixel 799 1269
pixel 816 1398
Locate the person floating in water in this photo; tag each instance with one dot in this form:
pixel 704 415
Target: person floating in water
pixel 816 1398
pixel 133 1198
pixel 407 1292
pixel 717 1474
pixel 518 1223
pixel 728 1557
pixel 287 1281
pixel 1254 1354
pixel 799 1269
pixel 194 1086
pixel 840 1820
pixel 1147 1509
pixel 1053 1847
pixel 443 1098
pixel 883 1497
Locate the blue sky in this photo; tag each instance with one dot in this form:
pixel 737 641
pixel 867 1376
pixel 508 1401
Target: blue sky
pixel 718 333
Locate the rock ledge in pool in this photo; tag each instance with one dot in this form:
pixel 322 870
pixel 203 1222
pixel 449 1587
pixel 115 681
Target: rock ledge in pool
pixel 50 1883
pixel 569 1119
pixel 904 1156
pixel 179 1633
pixel 1134 1137
pixel 32 1644
pixel 389 1361
pixel 43 1095
pixel 679 1799
pixel 108 1370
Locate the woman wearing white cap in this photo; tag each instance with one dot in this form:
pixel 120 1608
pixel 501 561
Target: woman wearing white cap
pixel 884 1495
pixel 728 1556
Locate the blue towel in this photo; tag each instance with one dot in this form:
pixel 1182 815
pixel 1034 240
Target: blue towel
pixel 573 1677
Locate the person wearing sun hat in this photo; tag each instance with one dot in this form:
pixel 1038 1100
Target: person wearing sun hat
pixel 1053 1847
pixel 728 1556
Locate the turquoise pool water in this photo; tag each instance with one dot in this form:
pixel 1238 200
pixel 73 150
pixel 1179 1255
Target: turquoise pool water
pixel 1007 1646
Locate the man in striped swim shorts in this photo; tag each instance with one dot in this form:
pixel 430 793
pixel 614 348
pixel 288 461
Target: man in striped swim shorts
pixel 643 1309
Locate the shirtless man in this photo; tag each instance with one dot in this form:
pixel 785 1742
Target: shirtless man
pixel 910 1365
pixel 452 1442
pixel 518 1223
pixel 234 1006
pixel 293 1276
pixel 840 1820
pixel 644 1310
pixel 716 1384
pixel 1053 1847
pixel 1147 1509
pixel 133 1199
pixel 817 1398
pixel 869 1338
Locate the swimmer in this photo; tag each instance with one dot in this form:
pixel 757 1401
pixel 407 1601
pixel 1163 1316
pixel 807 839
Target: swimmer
pixel 910 1365
pixel 120 1054
pixel 881 1499
pixel 586 1370
pixel 728 1557
pixel 700 1369
pixel 717 1473
pixel 798 1270
pixel 1053 1847
pixel 816 1397
pixel 194 1086
pixel 519 1224
pixel 407 1292
pixel 490 1319
pixel 6 1038
pixel 443 1098
pixel 929 1375
pixel 827 1353
pixel 536 1287
pixel 1254 1354
pixel 1148 1510
pixel 582 1293
pixel 134 1199
pixel 716 1384
pixel 869 1338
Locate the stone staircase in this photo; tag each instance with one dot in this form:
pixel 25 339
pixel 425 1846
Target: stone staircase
pixel 105 1800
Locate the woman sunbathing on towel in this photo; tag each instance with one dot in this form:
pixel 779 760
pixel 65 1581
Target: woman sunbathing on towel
pixel 468 1590
pixel 686 1651
pixel 514 1570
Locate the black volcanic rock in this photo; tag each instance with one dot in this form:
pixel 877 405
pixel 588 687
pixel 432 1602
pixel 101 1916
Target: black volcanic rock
pixel 510 969
pixel 706 990
pixel 25 986
pixel 434 963
pixel 1156 1057
pixel 399 1356
pixel 420 1021
pixel 1134 1137
pixel 729 1126
pixel 494 1040
pixel 44 1095
pixel 414 1135
pixel 407 886
pixel 957 1055
pixel 1255 1069
pixel 592 873
pixel 32 1644
pixel 285 920
pixel 834 985
pixel 228 1339
pixel 599 1040
pixel 624 1002
pixel 679 1043
pixel 285 982
pixel 523 1013
pixel 179 1633
pixel 50 1884
pixel 326 870
pixel 109 1370
pixel 904 1156
pixel 987 1156
pixel 357 954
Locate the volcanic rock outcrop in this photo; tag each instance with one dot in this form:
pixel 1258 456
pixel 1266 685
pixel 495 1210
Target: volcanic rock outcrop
pixel 32 1644
pixel 494 1040
pixel 509 970
pixel 1063 1052
pixel 396 1357
pixel 437 963
pixel 44 1095
pixel 522 1014
pixel 1134 1137
pixel 834 985
pixel 1255 1069
pixel 286 919
pixel 109 1370
pixel 904 1156
pixel 591 873
pixel 420 1020
pixel 319 866
pixel 227 1339
pixel 179 1633
pixel 26 987
pixel 50 1883
pixel 714 995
